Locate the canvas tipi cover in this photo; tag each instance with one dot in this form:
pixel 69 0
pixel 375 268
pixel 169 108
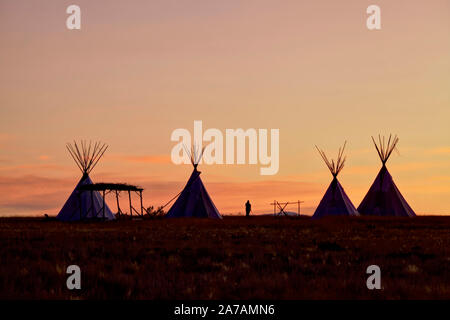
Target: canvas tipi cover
pixel 194 200
pixel 383 197
pixel 71 210
pixel 85 204
pixel 335 202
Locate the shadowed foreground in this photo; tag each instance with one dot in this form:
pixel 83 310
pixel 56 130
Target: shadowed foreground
pixel 236 258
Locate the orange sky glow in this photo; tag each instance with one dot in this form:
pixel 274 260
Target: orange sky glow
pixel 138 70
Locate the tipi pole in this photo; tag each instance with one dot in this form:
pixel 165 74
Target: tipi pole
pixel 131 208
pixel 142 207
pixel 117 200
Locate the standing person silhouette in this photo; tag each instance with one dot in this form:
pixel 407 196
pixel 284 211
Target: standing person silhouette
pixel 248 208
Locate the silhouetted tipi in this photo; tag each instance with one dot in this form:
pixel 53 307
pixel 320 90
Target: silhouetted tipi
pixel 86 204
pixel 383 197
pixel 194 200
pixel 335 202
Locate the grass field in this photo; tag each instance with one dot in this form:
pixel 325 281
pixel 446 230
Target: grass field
pixel 236 258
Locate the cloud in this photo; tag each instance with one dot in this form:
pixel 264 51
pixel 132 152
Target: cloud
pixel 230 197
pixel 361 151
pixel 418 166
pixel 361 170
pixel 440 150
pixel 395 167
pixel 33 202
pixel 440 178
pixel 158 159
pixel 33 167
pixel 5 139
pixel 32 194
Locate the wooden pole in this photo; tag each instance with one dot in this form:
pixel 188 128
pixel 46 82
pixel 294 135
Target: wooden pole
pixel 142 207
pixel 117 200
pixel 298 207
pixel 131 208
pixel 274 207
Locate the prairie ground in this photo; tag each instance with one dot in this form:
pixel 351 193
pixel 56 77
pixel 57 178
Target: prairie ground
pixel 235 258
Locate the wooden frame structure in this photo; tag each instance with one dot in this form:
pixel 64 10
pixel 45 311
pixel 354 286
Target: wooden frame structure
pixel 283 205
pixel 106 188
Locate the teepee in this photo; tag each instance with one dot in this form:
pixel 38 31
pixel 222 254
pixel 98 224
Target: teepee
pixel 335 202
pixel 383 197
pixel 194 200
pixel 85 204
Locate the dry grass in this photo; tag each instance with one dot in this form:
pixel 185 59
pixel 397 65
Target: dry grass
pixel 237 258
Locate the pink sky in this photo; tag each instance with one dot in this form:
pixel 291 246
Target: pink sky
pixel 135 72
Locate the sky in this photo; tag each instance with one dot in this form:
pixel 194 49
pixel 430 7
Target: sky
pixel 136 71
